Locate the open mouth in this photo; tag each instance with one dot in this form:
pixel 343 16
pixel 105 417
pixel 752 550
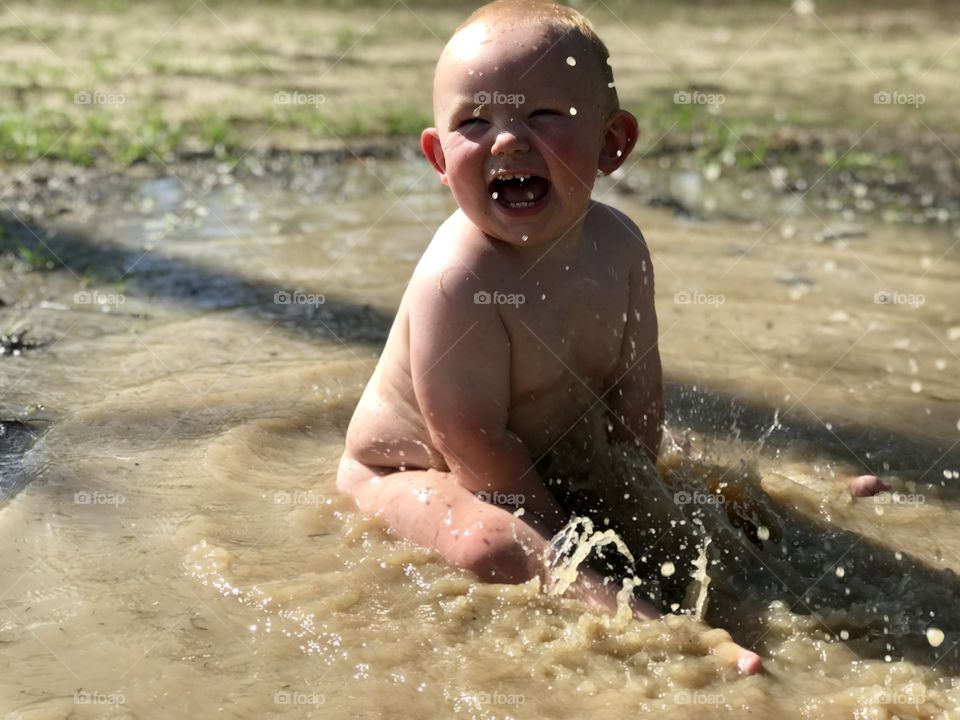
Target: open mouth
pixel 519 191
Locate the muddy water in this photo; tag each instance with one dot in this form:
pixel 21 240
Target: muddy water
pixel 177 547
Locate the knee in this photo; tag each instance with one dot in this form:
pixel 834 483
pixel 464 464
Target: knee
pixel 350 475
pixel 493 557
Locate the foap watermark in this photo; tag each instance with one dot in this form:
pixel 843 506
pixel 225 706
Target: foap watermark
pixel 685 297
pixel 499 698
pixel 95 497
pixel 295 97
pixel 901 499
pixel 888 297
pixel 296 697
pixel 499 498
pixel 695 97
pixel 92 697
pixel 483 97
pixel 895 97
pixel 498 298
pixel 697 498
pixel 698 697
pixel 298 497
pixel 298 297
pixel 914 694
pixel 92 297
pixel 96 97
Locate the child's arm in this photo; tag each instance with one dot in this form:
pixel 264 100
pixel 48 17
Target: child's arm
pixel 460 364
pixel 635 395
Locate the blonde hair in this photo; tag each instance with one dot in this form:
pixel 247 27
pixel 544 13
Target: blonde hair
pixel 562 20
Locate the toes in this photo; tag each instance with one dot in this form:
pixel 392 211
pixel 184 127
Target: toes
pixel 749 663
pixel 866 485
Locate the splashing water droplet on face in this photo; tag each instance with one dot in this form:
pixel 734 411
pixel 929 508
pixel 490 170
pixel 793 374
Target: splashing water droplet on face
pixel 934 636
pixel 763 533
pixel 667 569
pixel 571 61
pixel 524 238
pixel 573 111
pixel 495 195
pixel 619 153
pixel 844 635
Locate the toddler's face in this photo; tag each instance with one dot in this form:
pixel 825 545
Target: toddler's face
pixel 521 126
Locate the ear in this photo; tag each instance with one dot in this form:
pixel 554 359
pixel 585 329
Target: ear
pixel 618 141
pixel 433 152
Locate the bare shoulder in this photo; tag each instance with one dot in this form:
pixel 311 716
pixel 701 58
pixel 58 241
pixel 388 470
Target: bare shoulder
pixel 625 238
pixel 455 266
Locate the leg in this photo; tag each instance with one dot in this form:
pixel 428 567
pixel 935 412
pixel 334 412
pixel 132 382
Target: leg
pixel 431 508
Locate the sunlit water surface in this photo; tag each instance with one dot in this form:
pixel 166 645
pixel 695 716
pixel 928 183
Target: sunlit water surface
pixel 178 548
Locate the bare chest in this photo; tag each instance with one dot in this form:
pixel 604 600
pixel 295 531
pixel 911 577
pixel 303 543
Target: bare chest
pixel 565 339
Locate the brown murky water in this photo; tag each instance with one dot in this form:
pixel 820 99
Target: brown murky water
pixel 178 547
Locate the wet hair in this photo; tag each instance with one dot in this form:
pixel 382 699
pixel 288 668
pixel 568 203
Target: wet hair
pixel 562 21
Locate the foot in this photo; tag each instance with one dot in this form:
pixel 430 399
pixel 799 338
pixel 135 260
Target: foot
pixel 746 661
pixel 866 486
pixel 591 590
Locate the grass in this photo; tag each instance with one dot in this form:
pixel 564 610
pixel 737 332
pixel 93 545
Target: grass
pixel 36 259
pixel 194 88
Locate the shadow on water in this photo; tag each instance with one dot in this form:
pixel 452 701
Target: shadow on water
pixel 862 448
pixel 16 438
pixel 879 601
pixel 181 282
pixel 773 574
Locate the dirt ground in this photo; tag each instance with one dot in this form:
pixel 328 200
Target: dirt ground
pixel 827 98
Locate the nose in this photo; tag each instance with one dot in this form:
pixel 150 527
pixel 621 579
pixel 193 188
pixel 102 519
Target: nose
pixel 510 139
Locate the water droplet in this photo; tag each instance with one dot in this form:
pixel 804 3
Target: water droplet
pixel 573 111
pixel 610 84
pixel 934 636
pixel 667 569
pixel 763 533
pixel 495 195
pixel 840 571
pixel 844 635
pixel 619 153
pixel 524 238
pixel 916 386
pixel 571 61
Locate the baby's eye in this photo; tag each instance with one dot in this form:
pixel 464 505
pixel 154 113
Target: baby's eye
pixel 469 122
pixel 545 112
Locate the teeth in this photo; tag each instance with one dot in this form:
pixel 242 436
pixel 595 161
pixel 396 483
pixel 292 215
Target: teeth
pixel 521 178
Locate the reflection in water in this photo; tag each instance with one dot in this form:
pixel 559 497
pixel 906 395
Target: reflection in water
pixel 180 547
